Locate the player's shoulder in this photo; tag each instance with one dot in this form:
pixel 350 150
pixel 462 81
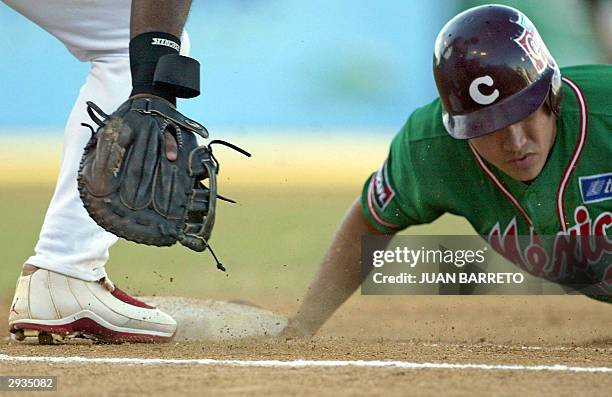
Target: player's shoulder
pixel 592 81
pixel 587 73
pixel 425 140
pixel 425 123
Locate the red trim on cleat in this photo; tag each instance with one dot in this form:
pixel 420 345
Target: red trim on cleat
pixel 130 300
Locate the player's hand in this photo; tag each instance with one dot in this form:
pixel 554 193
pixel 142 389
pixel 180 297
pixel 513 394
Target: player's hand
pixel 294 330
pixel 171 145
pixel 143 167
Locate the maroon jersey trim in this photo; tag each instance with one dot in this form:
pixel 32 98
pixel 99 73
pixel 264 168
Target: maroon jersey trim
pixel 372 208
pixel 500 186
pixel 569 170
pixel 567 174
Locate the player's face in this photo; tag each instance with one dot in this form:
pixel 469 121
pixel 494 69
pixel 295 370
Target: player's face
pixel 521 149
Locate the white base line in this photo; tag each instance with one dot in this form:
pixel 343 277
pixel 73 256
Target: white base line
pixel 520 347
pixel 297 363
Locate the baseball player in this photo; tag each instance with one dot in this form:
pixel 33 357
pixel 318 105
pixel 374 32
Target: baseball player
pixel 63 290
pixel 514 144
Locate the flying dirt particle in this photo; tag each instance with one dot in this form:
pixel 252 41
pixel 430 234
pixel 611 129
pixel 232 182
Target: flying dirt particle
pixel 171 279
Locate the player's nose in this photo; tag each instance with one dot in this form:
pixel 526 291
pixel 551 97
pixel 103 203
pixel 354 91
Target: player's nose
pixel 515 138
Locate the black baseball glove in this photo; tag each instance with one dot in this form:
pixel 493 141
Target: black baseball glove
pixel 132 189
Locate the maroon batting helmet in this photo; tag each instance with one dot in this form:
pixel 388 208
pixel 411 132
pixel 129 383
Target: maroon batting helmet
pixel 492 70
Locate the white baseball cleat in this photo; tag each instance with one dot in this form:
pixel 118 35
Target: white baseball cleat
pixel 55 307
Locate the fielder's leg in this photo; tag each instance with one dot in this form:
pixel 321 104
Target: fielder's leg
pixel 63 290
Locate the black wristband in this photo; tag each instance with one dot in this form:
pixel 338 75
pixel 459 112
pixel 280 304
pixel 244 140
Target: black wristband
pixel 145 50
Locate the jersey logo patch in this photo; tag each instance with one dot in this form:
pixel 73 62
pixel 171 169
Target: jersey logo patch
pixel 596 188
pixel 383 192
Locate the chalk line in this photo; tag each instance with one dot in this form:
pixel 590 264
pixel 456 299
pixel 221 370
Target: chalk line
pixel 299 363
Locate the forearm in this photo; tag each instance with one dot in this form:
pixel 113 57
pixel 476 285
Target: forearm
pixel 339 274
pixel 167 16
pixel 155 30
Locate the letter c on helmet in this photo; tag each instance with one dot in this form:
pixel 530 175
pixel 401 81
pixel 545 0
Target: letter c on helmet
pixel 478 96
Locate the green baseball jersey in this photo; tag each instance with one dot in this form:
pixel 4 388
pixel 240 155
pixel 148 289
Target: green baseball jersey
pixel 428 173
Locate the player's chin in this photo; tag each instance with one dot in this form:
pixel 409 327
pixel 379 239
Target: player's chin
pixel 524 174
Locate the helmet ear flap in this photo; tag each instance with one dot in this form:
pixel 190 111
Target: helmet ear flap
pixel 553 103
pixel 555 94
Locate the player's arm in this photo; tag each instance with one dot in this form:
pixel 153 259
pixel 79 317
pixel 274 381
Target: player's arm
pixel 155 31
pixel 147 18
pixel 160 74
pixel 391 200
pixel 338 277
pixel 159 16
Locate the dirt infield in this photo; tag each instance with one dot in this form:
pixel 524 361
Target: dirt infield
pixel 570 331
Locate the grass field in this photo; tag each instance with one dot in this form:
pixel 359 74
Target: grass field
pixel 291 195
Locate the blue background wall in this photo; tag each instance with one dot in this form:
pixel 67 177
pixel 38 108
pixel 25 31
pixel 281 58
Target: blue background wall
pixel 277 63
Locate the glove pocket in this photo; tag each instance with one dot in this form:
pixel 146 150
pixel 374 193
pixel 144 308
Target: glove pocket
pixel 170 189
pixel 139 170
